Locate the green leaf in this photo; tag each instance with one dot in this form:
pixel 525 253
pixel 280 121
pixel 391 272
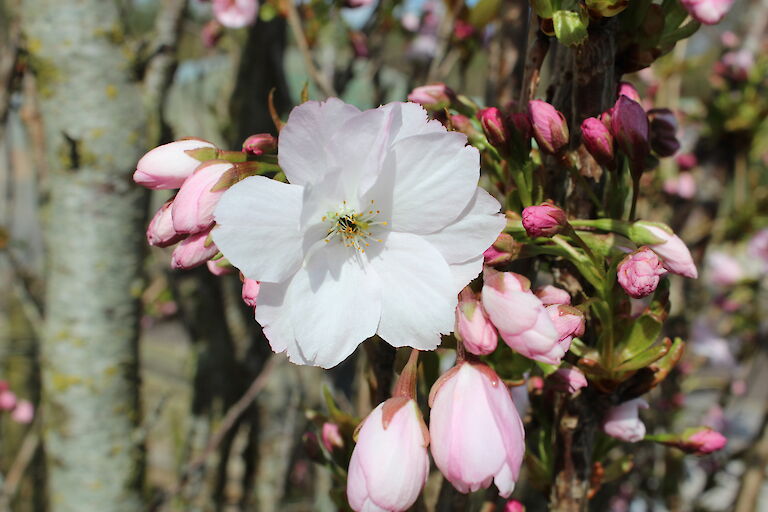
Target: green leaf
pixel 641 335
pixel 646 358
pixel 570 27
pixel 543 8
pixel 607 8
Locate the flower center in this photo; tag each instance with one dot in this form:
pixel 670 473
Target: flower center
pixel 353 228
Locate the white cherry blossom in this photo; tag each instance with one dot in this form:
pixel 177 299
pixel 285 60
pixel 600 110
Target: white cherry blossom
pixel 380 227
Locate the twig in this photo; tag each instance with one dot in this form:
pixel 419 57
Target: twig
pixel 230 419
pixel 535 52
pixel 8 72
pixel 19 467
pixel 301 41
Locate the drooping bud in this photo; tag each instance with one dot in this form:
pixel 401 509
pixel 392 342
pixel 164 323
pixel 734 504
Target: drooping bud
pixel 250 292
pixel 568 322
pixel 433 96
pixel 160 232
pixel 708 12
pixel 568 380
pixel 550 128
pixel 235 13
pixel 194 204
pixel 549 295
pixel 598 140
pixel 475 441
pixel 167 166
pixel 390 464
pixel 545 220
pixel 699 441
pixel 193 251
pixel 519 316
pixel 514 506
pixel 629 126
pixel 623 421
pixel 663 132
pixel 473 327
pixel 260 144
pixel 219 267
pixel 639 273
pixel 674 253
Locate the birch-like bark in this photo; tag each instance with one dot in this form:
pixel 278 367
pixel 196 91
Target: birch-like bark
pixel 94 122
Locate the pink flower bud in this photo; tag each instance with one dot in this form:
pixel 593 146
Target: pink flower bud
pixel 686 161
pixel 504 249
pixel 683 185
pixel 193 251
pixel 160 232
pixel 250 292
pixel 260 144
pixel 708 12
pixel 193 205
pixel 568 380
pixel 331 436
pixel 598 140
pixel 167 166
pixel 473 326
pixel 514 506
pixel 477 434
pixel 549 126
pixel 639 273
pixel 219 267
pixel 663 131
pixel 520 317
pixel 674 254
pixel 432 97
pixel 549 295
pixel 623 421
pixel 628 90
pixel 389 464
pixel 568 322
pixel 494 127
pixel 629 126
pixel 7 400
pixel 211 33
pixel 703 441
pixel 723 269
pixel 24 412
pixel 545 219
pixel 235 13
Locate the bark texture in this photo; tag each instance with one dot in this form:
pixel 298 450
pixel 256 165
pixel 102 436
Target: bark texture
pixel 94 123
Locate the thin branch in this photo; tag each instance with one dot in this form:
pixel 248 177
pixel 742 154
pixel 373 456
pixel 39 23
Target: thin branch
pixel 301 41
pixel 230 420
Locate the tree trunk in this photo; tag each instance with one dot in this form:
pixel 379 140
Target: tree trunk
pixel 94 121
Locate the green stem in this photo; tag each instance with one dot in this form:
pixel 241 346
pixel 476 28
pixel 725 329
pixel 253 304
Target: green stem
pixel 523 190
pixel 635 196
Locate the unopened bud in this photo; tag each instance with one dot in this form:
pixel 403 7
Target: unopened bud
pixel 259 144
pixel 432 97
pixel 549 127
pixel 545 219
pixel 167 166
pixel 663 131
pixel 629 125
pixel 598 140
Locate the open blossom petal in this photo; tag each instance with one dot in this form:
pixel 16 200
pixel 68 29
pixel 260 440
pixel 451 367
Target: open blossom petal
pixel 304 140
pixel 425 179
pixel 477 227
pixel 325 332
pixel 381 226
pixel 417 290
pixel 258 228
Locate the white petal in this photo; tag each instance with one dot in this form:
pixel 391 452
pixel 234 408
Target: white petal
pixel 274 317
pixel 465 272
pixel 426 181
pixel 411 119
pixel 334 306
pixel 476 228
pixel 361 144
pixel 418 295
pixel 303 142
pixel 258 228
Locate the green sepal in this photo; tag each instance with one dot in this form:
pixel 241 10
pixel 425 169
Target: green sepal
pixel 570 26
